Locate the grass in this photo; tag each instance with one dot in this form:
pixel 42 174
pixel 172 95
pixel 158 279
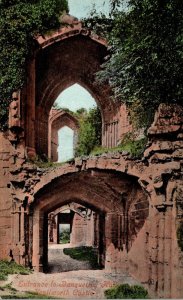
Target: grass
pixel 12 293
pixel 7 268
pixel 45 163
pixel 9 287
pixel 83 254
pixel 64 241
pixel 125 291
pixel 27 295
pixel 133 147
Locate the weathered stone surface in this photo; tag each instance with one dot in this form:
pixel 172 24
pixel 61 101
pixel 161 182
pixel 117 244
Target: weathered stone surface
pixel 137 203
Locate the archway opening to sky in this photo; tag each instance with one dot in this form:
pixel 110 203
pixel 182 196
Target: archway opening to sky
pixel 65 144
pixel 71 99
pixel 74 98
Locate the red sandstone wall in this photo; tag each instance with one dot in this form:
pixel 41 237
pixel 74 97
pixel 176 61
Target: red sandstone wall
pixel 82 231
pixel 154 257
pixel 5 199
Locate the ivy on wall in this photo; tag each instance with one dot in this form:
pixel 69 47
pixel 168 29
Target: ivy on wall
pixel 145 65
pixel 20 22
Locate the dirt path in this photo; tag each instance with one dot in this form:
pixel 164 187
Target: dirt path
pixel 86 284
pixel 59 262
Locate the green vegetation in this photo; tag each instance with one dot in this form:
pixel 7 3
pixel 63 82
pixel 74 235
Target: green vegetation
pixel 9 287
pixel 135 148
pixel 58 107
pixel 180 236
pixel 64 236
pixel 145 67
pixel 12 293
pixel 90 131
pixel 20 22
pixel 44 163
pixel 83 254
pixel 26 295
pixel 125 291
pixel 7 268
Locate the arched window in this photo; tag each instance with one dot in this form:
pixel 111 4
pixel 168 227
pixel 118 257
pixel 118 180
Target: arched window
pixel 65 144
pixel 71 106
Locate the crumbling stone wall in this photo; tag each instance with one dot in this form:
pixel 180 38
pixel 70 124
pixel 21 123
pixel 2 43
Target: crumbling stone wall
pixel 151 253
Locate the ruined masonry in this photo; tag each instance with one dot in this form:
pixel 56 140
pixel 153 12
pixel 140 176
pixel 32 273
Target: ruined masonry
pixel 137 204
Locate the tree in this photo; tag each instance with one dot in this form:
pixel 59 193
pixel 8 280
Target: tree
pixel 20 22
pixel 90 131
pixel 146 62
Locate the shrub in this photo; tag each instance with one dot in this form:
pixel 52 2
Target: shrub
pixel 90 131
pixel 125 291
pixel 64 236
pixel 135 148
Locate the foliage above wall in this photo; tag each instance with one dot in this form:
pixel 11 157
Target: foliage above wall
pixel 20 21
pixel 146 54
pixel 90 131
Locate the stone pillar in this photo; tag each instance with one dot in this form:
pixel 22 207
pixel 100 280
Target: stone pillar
pixel 55 231
pixel 111 236
pixel 96 229
pixel 49 139
pixel 90 231
pixel 38 242
pixel 30 111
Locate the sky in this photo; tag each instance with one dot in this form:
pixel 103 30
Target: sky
pixel 82 8
pixel 65 148
pixel 75 97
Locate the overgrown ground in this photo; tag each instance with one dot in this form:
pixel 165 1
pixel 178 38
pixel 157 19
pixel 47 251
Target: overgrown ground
pixel 133 148
pixel 125 291
pixel 6 289
pixel 80 284
pixel 11 267
pixel 83 254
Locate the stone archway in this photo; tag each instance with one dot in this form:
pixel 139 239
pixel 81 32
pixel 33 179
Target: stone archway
pixel 159 172
pixel 57 120
pixel 81 221
pixel 71 55
pixel 118 199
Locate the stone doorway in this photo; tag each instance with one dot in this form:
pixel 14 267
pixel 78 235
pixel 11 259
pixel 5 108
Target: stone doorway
pixel 87 233
pixel 116 198
pixel 79 228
